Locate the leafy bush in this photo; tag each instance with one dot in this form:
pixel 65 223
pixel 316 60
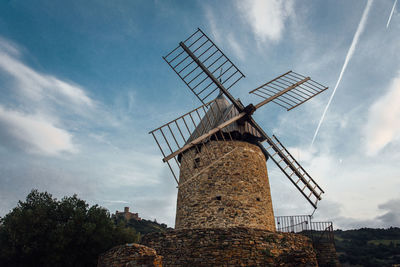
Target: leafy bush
pixel 43 231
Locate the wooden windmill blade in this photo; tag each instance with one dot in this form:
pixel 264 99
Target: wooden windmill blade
pixel 294 171
pixel 289 166
pixel 174 136
pixel 203 67
pixel 288 90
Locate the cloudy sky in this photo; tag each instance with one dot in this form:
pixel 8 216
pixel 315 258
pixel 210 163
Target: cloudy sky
pixel 83 82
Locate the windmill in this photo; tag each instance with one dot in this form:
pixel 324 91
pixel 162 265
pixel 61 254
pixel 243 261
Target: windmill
pixel 217 152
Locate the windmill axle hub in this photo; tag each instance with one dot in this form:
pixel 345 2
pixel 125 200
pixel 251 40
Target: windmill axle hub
pixel 249 110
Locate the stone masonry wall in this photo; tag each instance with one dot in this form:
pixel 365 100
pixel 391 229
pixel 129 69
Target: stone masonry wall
pixel 232 192
pixel 326 254
pixel 231 247
pixel 130 255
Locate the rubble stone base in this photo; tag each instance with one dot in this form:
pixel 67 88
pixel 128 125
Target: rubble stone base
pixel 130 255
pixel 231 247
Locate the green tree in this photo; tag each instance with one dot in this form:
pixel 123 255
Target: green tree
pixel 43 231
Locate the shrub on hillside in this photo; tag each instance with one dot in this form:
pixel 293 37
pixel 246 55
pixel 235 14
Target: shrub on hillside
pixel 44 231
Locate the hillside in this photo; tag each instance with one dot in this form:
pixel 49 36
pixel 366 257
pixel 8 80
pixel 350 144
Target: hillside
pixel 145 226
pixel 368 247
pixel 142 226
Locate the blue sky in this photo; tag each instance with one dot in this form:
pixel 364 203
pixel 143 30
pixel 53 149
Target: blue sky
pixel 83 82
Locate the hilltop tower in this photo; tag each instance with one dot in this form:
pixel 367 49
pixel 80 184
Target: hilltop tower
pixel 231 191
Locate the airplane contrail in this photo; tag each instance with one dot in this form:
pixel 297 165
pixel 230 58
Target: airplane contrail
pixel 350 53
pixel 391 14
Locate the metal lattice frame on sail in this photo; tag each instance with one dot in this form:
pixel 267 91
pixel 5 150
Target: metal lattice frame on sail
pixel 288 90
pixel 191 131
pixel 294 171
pixel 211 57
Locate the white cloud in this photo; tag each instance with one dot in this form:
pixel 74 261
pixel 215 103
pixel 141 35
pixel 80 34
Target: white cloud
pixel 33 133
pixel 383 125
pixel 334 210
pixel 9 47
pixel 36 85
pixel 229 37
pixel 266 17
pixel 39 102
pixel 392 215
pixel 115 201
pixel 213 24
pixel 236 47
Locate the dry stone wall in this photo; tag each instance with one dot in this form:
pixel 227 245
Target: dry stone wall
pixel 130 255
pixel 232 192
pixel 326 254
pixel 231 247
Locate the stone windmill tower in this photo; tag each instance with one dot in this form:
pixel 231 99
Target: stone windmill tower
pixel 217 154
pixel 218 149
pixel 232 192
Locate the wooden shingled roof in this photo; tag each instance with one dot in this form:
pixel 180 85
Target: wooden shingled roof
pixel 220 111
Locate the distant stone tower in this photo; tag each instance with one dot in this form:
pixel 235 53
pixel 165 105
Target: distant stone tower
pixel 234 190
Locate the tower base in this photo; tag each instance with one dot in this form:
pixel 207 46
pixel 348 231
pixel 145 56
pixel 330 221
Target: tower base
pixel 231 247
pixel 232 191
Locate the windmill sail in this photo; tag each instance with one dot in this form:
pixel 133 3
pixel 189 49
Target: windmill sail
pixel 206 70
pixel 198 50
pixel 288 90
pixel 294 171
